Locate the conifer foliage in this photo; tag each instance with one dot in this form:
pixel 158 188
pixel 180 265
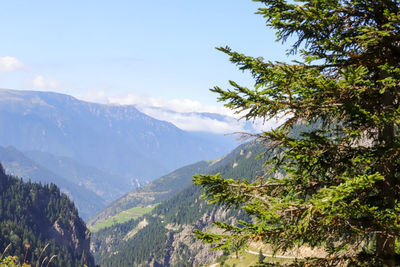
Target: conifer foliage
pixel 336 183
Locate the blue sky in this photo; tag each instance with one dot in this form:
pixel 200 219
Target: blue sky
pixel 130 51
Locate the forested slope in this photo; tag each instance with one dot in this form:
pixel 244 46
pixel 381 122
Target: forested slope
pixel 164 237
pixel 36 215
pixel 18 164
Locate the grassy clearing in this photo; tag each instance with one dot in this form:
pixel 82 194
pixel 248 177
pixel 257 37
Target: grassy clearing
pixel 122 217
pixel 247 259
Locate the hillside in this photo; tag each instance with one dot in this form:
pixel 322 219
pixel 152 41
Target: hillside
pixel 164 236
pixel 155 192
pixel 105 185
pixel 33 215
pixel 18 164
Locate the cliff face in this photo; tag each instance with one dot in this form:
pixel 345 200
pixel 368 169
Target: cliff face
pixel 71 235
pixel 41 216
pixel 199 252
pixel 155 241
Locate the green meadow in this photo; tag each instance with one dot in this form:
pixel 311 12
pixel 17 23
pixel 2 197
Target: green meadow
pixel 122 217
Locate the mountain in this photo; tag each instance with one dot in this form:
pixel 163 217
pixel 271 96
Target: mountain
pixel 18 164
pixel 38 222
pixel 164 237
pixel 115 139
pixel 107 186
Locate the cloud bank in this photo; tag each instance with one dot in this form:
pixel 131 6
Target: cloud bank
pixel 195 121
pixel 186 114
pixel 191 115
pixel 39 82
pixel 10 64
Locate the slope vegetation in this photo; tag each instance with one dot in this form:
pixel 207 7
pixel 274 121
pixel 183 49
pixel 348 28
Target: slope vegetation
pixel 152 193
pixel 18 164
pixel 164 237
pixel 33 215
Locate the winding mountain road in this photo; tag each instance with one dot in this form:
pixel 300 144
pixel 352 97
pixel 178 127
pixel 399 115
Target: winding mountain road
pixel 274 256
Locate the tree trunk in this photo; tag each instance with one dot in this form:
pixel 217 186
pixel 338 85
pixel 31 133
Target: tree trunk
pixel 385 249
pixel 385 243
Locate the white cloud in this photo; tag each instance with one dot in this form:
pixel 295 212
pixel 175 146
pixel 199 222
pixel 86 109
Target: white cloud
pixel 96 96
pixel 39 82
pixel 194 121
pixel 177 105
pixel 10 64
pixel 185 114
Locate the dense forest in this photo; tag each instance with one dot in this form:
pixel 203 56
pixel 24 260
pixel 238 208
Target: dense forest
pixel 34 217
pixel 164 236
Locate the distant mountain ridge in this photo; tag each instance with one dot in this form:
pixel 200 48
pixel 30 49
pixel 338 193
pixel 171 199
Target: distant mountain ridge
pixel 171 184
pixel 19 164
pixel 115 139
pixel 107 186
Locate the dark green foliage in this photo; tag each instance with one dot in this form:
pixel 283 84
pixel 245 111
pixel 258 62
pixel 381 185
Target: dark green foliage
pixel 335 185
pixel 28 214
pixel 148 243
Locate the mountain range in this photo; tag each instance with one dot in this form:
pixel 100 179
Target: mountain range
pixel 94 152
pixel 116 139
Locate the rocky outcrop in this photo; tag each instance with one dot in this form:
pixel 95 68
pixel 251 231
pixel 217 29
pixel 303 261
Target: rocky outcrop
pixel 71 234
pixel 184 248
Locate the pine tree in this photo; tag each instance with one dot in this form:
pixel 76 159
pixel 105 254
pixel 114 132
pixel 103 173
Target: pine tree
pixel 335 182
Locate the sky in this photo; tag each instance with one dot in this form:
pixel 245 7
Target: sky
pixel 150 53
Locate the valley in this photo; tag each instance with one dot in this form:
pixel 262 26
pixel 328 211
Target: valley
pixel 95 152
pixel 167 237
pixel 54 139
pixel 113 153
